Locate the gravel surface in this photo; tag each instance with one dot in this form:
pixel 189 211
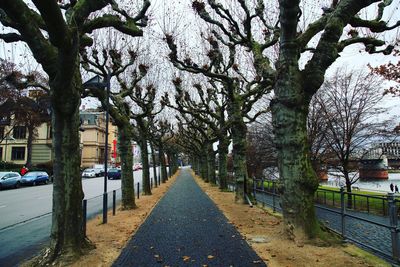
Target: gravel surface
pixel 187 229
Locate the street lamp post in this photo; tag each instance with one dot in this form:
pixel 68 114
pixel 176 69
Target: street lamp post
pixel 96 82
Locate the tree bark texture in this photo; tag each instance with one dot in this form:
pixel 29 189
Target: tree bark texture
pixel 211 165
pixel 67 237
pixel 222 163
pixel 161 156
pixel 298 180
pixel 146 187
pixel 127 182
pixel 153 158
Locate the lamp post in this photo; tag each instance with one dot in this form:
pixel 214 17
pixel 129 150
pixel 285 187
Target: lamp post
pixel 97 83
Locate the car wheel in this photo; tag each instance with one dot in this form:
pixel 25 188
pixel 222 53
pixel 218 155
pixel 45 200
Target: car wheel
pixel 1 187
pixel 34 183
pixel 46 181
pixel 17 185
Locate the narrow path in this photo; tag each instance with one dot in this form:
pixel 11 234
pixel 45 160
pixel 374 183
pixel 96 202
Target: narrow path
pixel 187 229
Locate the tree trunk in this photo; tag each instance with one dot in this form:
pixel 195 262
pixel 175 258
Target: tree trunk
pixel 125 152
pixel 67 238
pixel 204 166
pixel 161 156
pixel 31 135
pixel 153 158
pixel 298 180
pixel 169 165
pixel 348 188
pixel 211 165
pixel 239 131
pixel 222 163
pixel 145 167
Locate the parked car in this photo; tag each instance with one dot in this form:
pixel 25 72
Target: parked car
pixel 9 179
pixel 114 174
pixel 90 173
pixel 137 166
pixel 35 178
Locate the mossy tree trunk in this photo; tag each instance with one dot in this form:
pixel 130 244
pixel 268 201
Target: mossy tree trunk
pixel 146 187
pixel 125 151
pixel 298 180
pixel 211 164
pixel 223 163
pixel 161 158
pixel 67 237
pixel 239 131
pixel 153 158
pixel 204 165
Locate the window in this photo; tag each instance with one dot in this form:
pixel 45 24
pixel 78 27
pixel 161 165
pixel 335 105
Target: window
pixel 19 132
pixel 1 153
pixel 1 132
pixel 18 153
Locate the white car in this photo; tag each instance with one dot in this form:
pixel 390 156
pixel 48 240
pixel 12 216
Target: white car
pixel 92 172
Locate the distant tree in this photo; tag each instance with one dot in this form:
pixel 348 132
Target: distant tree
pixel 261 149
pixel 15 102
pixel 391 72
pixel 348 106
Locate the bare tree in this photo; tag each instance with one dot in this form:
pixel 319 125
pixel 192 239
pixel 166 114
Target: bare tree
pixel 348 105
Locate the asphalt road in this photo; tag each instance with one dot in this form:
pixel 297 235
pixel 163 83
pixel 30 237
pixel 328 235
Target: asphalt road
pixel 25 216
pixel 187 229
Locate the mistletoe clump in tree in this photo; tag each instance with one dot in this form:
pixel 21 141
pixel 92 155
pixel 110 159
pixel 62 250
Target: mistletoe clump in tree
pixel 55 32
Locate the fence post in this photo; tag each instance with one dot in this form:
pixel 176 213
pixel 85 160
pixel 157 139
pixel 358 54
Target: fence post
pixel 138 189
pixel 151 182
pixel 342 211
pixel 273 196
pixel 254 189
pixel 84 211
pixel 262 184
pixel 114 201
pixel 393 226
pixel 368 204
pixel 105 207
pixel 383 206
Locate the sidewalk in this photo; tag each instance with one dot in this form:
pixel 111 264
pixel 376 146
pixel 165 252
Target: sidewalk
pixel 187 229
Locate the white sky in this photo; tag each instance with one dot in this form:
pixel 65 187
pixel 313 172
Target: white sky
pixel 177 16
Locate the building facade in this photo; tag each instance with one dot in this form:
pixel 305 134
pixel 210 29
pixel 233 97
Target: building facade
pixel 93 137
pixel 14 139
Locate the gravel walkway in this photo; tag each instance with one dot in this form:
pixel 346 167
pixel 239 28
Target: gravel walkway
pixel 187 229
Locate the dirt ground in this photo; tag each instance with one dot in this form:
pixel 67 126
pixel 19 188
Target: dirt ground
pixel 261 228
pixel 264 232
pixel 110 238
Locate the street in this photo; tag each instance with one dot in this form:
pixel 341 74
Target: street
pixel 25 220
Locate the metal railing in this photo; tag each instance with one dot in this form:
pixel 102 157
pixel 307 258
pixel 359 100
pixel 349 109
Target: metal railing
pixel 366 220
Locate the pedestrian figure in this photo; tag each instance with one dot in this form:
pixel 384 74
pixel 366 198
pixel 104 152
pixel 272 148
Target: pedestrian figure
pixel 24 170
pixel 396 189
pixel 391 187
